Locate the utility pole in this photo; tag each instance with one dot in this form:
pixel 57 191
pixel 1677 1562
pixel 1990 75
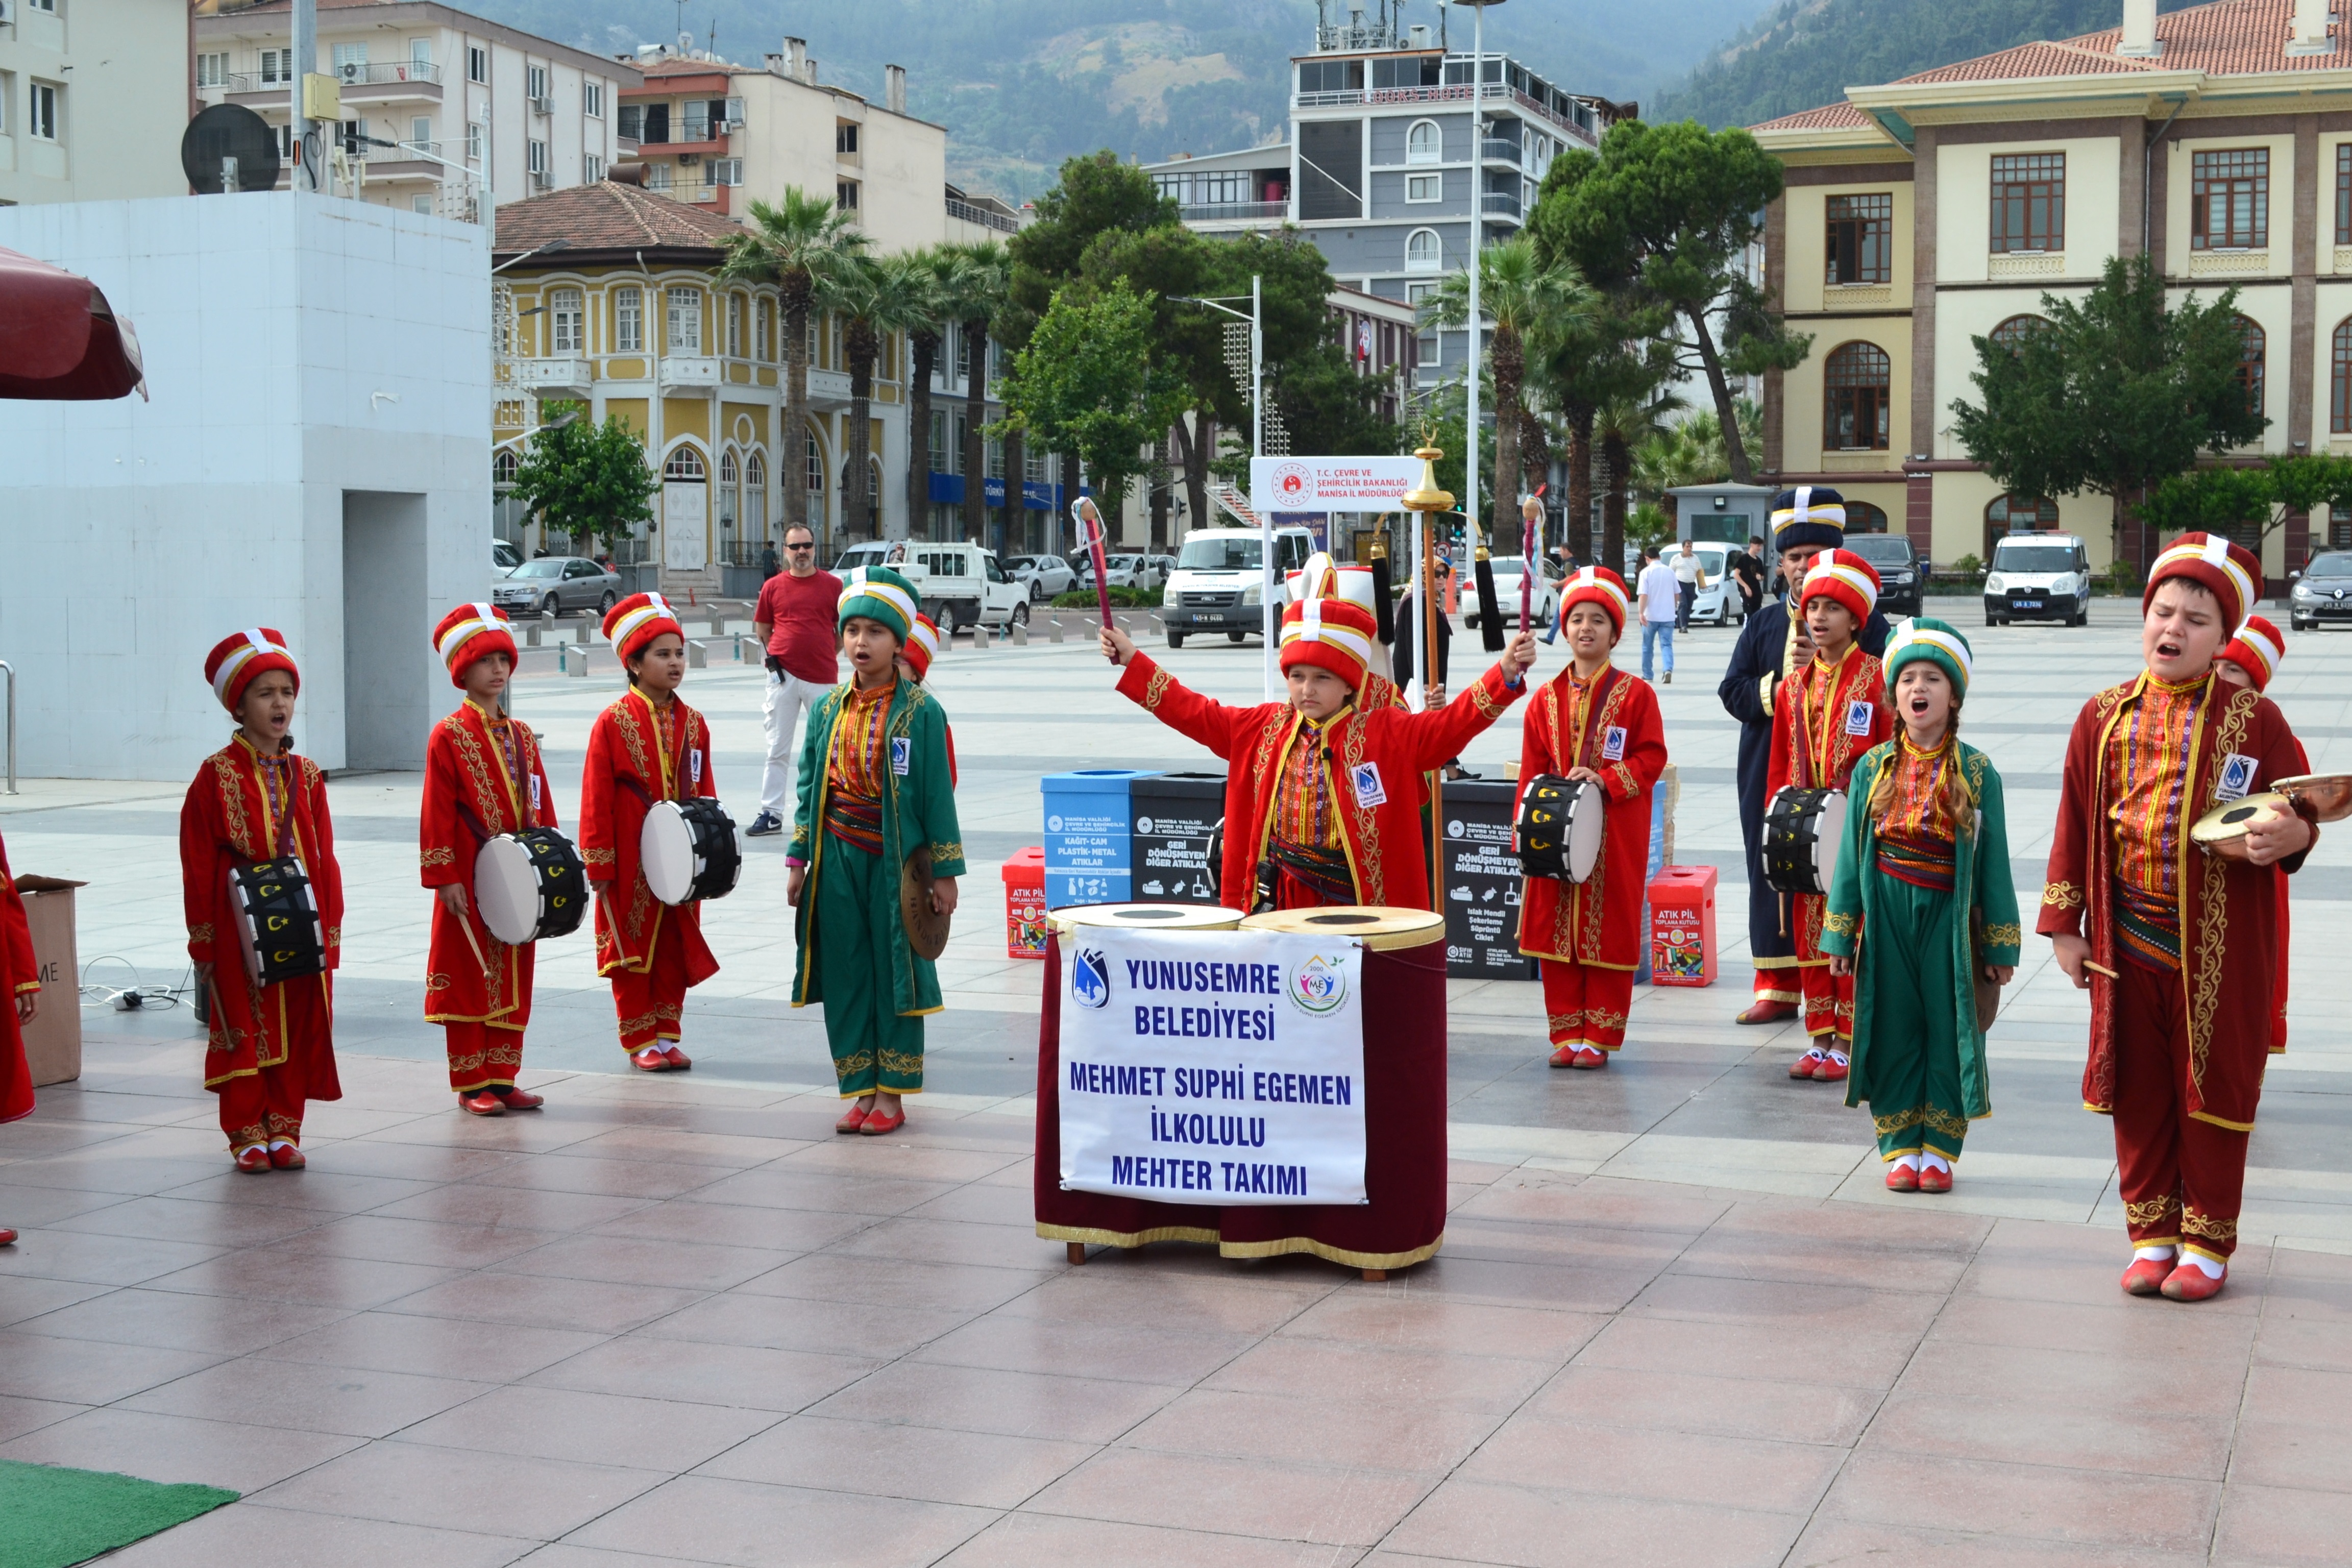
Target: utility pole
pixel 1272 621
pixel 1478 243
pixel 305 61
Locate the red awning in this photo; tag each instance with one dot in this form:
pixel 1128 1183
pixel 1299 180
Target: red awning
pixel 58 337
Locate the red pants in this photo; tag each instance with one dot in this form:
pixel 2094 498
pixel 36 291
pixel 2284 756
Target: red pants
pixel 1829 1002
pixel 2182 1180
pixel 649 1005
pixel 1584 1004
pixel 1778 984
pixel 264 1108
pixel 483 1056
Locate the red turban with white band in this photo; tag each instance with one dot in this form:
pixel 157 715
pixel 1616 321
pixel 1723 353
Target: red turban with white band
pixel 1595 585
pixel 234 662
pixel 470 632
pixel 1330 634
pixel 1847 578
pixel 2231 572
pixel 2258 650
pixel 635 621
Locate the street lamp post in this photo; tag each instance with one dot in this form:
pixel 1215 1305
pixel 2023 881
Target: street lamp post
pixel 1270 624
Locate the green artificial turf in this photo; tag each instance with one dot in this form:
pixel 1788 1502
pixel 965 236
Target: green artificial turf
pixel 50 1517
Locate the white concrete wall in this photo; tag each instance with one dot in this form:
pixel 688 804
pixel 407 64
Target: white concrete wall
pixel 298 349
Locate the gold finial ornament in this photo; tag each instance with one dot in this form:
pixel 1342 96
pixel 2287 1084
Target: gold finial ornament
pixel 1425 496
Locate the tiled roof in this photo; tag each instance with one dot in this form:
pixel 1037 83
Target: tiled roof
pixel 2228 37
pixel 1828 117
pixel 608 215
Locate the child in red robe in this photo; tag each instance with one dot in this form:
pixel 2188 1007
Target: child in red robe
pixel 270 1050
pixel 1593 722
pixel 483 777
pixel 1323 792
pixel 20 980
pixel 2177 946
pixel 646 747
pixel 1837 710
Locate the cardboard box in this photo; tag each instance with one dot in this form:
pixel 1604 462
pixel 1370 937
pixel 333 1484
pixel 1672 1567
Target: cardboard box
pixel 53 1040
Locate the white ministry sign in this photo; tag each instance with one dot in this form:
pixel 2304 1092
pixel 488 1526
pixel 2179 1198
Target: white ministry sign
pixel 1213 1066
pixel 1330 484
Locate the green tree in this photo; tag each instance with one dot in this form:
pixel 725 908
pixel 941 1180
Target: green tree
pixel 2117 393
pixel 1087 383
pixel 1578 367
pixel 874 299
pixel 588 480
pixel 2224 500
pixel 1620 426
pixel 794 244
pixel 944 269
pixel 1096 194
pixel 1668 212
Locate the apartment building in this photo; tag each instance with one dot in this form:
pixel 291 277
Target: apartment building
pixel 1924 214
pixel 437 103
pixel 91 100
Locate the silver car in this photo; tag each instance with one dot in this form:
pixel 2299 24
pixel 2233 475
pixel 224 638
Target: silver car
pixel 1044 575
pixel 553 584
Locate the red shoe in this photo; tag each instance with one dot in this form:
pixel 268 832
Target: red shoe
pixel 1764 1012
pixel 1901 1178
pixel 678 1060
pixel 877 1123
pixel 851 1119
pixel 523 1099
pixel 2190 1283
pixel 1591 1057
pixel 1932 1180
pixel 253 1160
pixel 651 1059
pixel 1565 1056
pixel 1831 1070
pixel 1808 1065
pixel 287 1157
pixel 7 1237
pixel 2146 1275
pixel 482 1103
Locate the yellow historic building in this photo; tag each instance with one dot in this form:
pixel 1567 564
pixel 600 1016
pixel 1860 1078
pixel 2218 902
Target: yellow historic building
pixel 1926 212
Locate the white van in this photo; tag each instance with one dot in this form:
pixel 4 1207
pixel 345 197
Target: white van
pixel 1219 577
pixel 962 584
pixel 2039 577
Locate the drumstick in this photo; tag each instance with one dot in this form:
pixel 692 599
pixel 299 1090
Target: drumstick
pixel 467 925
pixel 2101 969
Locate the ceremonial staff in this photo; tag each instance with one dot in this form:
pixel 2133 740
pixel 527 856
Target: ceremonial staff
pixel 1427 500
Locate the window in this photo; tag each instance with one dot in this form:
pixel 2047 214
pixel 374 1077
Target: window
pixel 844 196
pixel 685 467
pixel 477 64
pixel 755 497
pixel 2230 200
pixel 729 478
pixel 766 314
pixel 473 141
pixel 211 71
pixel 2344 193
pixel 657 177
pixel 49 5
pixel 421 205
pixel 2017 514
pixel 538 160
pixel 1860 239
pixel 1425 144
pixel 1428 351
pixel 1422 251
pixel 277 65
pixel 2340 527
pixel 2250 362
pixel 592 99
pixel 2012 333
pixel 41 121
pixel 1330 75
pixel 735 326
pixel 564 321
pixel 535 77
pixel 628 321
pixel 503 467
pixel 631 124
pixel 845 137
pixel 1861 517
pixel 351 61
pixel 1410 71
pixel 1424 187
pixel 420 54
pixel 1855 398
pixel 592 168
pixel 686 321
pixel 2029 202
pixel 420 133
pixel 815 479
pixel 2339 381
pixel 1331 163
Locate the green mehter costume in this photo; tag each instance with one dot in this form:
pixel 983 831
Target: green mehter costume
pixel 875 785
pixel 1909 884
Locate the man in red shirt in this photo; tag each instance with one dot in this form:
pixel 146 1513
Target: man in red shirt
pixel 795 620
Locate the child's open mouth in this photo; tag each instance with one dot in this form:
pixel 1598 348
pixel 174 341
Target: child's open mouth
pixel 2168 650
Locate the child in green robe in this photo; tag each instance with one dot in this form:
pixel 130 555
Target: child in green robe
pixel 876 785
pixel 1920 908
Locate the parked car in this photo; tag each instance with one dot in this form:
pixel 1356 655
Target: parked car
pixel 1165 565
pixel 505 556
pixel 962 584
pixel 1123 570
pixel 1902 576
pixel 556 585
pixel 1044 575
pixel 2322 591
pixel 1718 604
pixel 1543 598
pixel 1218 584
pixel 2038 577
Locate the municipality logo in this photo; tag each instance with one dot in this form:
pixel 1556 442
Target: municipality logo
pixel 1319 987
pixel 1090 979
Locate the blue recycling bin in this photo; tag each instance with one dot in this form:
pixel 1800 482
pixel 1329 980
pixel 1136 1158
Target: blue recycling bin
pixel 1090 823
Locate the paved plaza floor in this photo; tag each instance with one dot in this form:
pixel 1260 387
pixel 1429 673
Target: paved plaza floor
pixel 674 1320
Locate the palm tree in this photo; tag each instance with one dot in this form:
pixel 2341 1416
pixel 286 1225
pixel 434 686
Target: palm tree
pixel 874 299
pixel 1518 295
pixel 794 244
pixel 943 268
pixel 1578 365
pixel 1619 426
pixel 981 292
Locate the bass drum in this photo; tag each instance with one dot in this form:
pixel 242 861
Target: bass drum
pixel 530 886
pixel 1803 830
pixel 277 921
pixel 689 851
pixel 1558 827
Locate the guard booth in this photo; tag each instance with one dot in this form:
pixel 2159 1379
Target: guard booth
pixel 1723 514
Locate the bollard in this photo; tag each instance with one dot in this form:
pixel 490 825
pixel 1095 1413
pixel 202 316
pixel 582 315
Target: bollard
pixel 1155 626
pixel 1053 629
pixel 530 635
pixel 980 638
pixel 580 632
pixel 1020 635
pixel 570 662
pixel 697 656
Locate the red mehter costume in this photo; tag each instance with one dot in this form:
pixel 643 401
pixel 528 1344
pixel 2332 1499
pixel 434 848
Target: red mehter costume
pixel 2259 649
pixel 19 975
pixel 639 753
pixel 1836 712
pixel 269 1051
pixel 1588 935
pixel 483 777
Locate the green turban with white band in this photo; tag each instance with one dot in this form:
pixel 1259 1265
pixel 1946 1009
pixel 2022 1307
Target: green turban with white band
pixel 880 595
pixel 1922 637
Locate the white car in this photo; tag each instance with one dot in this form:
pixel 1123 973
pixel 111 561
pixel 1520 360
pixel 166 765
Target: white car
pixel 1718 604
pixel 1045 577
pixel 1121 572
pixel 960 584
pixel 1543 598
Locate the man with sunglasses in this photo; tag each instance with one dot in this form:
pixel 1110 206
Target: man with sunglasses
pixel 794 621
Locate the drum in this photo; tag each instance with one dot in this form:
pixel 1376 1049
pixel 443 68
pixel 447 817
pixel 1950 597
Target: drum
pixel 1803 831
pixel 1559 829
pixel 2326 796
pixel 2222 830
pixel 1381 928
pixel 1146 916
pixel 277 921
pixel 689 851
pixel 530 886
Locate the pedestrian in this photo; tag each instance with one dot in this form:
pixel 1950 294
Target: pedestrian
pixel 1690 577
pixel 1407 637
pixel 2178 950
pixel 1925 872
pixel 483 777
pixel 1832 713
pixel 769 564
pixel 1660 601
pixel 269 1051
pixel 1595 723
pixel 794 623
pixel 649 746
pixel 877 784
pixel 20 982
pixel 1748 573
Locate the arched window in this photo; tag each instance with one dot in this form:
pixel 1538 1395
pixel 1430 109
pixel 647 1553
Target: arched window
pixel 2250 362
pixel 755 497
pixel 735 312
pixel 685 467
pixel 1423 253
pixel 2016 513
pixel 2012 333
pixel 564 321
pixel 2339 381
pixel 1425 144
pixel 728 478
pixel 1856 398
pixel 815 469
pixel 503 466
pixel 767 317
pixel 1861 517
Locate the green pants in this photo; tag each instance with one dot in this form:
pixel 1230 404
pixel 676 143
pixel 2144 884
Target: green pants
pixel 1913 1046
pixel 857 922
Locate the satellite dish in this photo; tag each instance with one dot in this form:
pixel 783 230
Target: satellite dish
pixel 225 142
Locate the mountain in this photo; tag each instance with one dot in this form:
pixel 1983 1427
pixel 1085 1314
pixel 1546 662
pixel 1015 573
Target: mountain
pixel 1022 84
pixel 1805 53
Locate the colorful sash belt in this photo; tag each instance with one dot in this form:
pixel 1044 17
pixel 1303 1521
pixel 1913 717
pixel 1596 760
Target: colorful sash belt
pixel 1323 870
pixel 1923 862
pixel 2147 928
pixel 854 819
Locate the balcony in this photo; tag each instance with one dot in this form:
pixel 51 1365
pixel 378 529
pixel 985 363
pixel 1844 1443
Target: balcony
pixel 1234 212
pixel 404 162
pixel 690 369
pixel 982 215
pixel 549 376
pixel 1454 92
pixel 392 83
pixel 1501 204
pixel 1495 149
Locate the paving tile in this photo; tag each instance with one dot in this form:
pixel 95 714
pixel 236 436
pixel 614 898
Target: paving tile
pixel 1565 1528
pixel 521 1208
pixel 1724 1406
pixel 25 1207
pixel 556 1554
pixel 2062 1380
pixel 978 1399
pixel 308 1397
pixel 1044 1540
pixel 839 1328
pixel 1341 1431
pixel 433 1242
pixel 1835 1543
pixel 737 1224
pixel 298 1272
pixel 24 1295
pixel 174 1320
pixel 1115 1351
pixel 1243 1497
pixel 2085 1506
pixel 1642 1341
pixel 94 1259
pixel 588 1305
pixel 86 1371
pixel 202 1224
pixel 246 1533
pixel 414 1162
pixel 714 1521
pixel 572 1171
pixel 2140 1329
pixel 838 1275
pixel 892 1160
pixel 2275 1525
pixel 1654 1466
pixel 1793 1305
pixel 979 1204
pixel 1314 1368
pixel 2283 1454
pixel 1406 1321
pixel 316 1186
pixel 414 1483
pixel 946 1241
pixel 2305 1342
pixel 237 1455
pixel 982 1470
pixel 782 1186
pixel 656 1365
pixel 1505 1283
pixel 591 1427
pixel 434 1347
pixel 637 1260
pixel 1762 1255
pixel 2303 1395
pixel 2071 1433
pixel 1220 1302
pixel 683 1146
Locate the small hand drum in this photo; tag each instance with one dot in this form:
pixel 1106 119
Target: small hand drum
pixel 1803 830
pixel 689 851
pixel 2222 830
pixel 1559 829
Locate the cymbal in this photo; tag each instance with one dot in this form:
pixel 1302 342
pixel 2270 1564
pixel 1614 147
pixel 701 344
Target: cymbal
pixel 1376 926
pixel 2222 830
pixel 927 929
pixel 2327 798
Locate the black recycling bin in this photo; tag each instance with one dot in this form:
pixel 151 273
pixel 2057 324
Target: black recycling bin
pixel 1174 817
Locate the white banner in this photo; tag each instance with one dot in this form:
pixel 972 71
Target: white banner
pixel 1213 1067
pixel 1330 484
